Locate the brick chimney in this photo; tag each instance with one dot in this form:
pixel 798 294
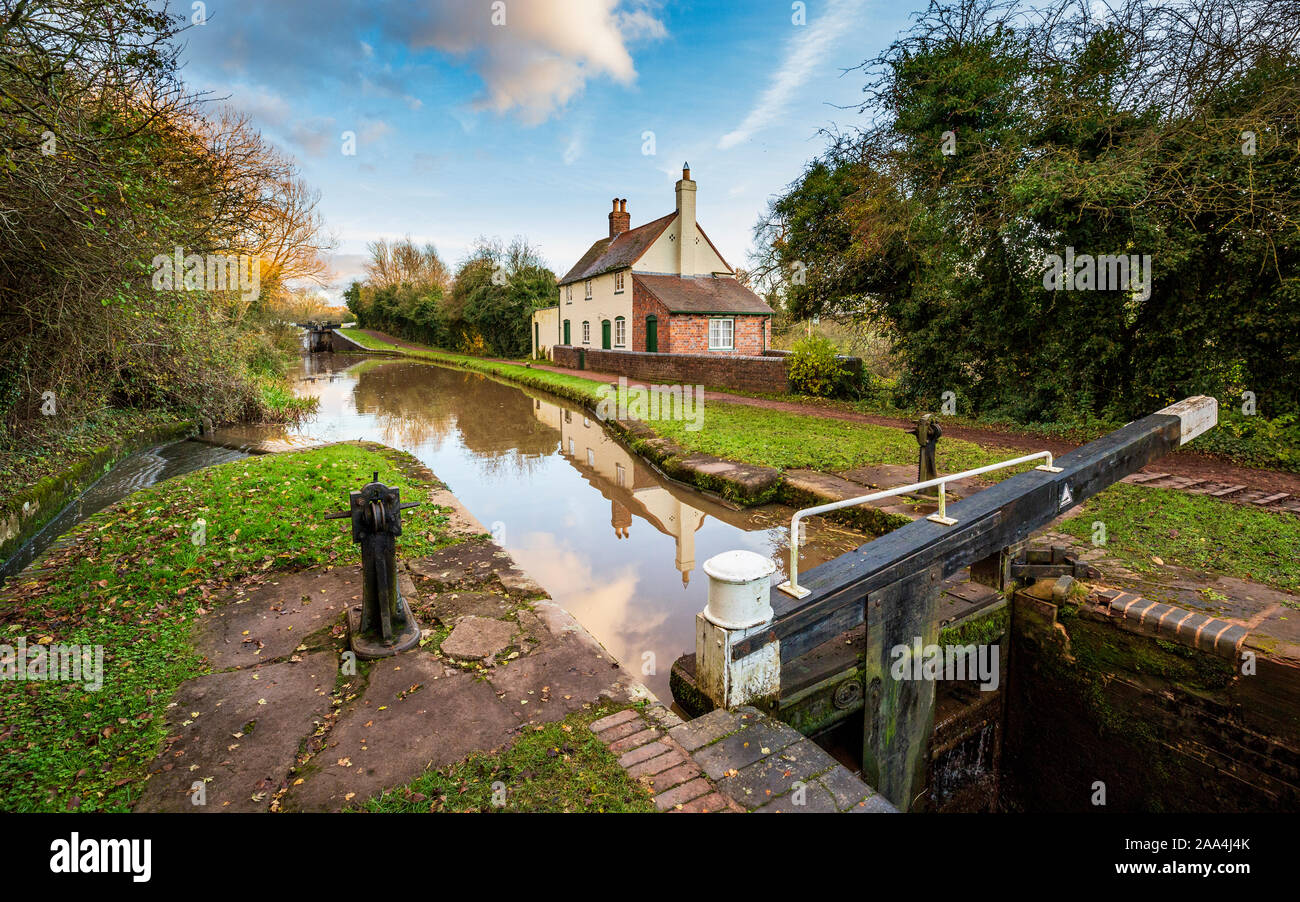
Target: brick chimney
pixel 686 223
pixel 619 220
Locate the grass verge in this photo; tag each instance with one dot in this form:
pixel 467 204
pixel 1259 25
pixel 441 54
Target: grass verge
pixel 133 584
pixel 786 441
pixel 1193 531
pixel 560 766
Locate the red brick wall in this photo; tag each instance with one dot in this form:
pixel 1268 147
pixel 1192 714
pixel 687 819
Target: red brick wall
pixel 645 304
pixel 682 333
pixel 747 373
pixel 691 334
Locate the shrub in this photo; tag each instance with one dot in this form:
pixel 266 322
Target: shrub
pixel 814 369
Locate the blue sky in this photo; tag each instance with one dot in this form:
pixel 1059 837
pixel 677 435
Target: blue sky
pixel 466 127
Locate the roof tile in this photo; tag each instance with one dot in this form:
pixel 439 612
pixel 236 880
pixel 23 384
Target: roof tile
pixel 609 254
pixel 702 294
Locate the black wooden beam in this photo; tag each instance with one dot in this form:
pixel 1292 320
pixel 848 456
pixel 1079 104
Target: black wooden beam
pixel 987 522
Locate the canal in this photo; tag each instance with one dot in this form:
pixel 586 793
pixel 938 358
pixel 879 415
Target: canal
pixel 615 543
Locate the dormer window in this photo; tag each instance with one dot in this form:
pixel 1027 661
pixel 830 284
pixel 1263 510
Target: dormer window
pixel 588 285
pixel 618 283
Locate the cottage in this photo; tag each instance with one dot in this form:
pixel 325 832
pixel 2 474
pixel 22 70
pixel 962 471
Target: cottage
pixel 660 288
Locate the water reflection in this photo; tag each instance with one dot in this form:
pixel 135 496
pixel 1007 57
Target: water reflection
pixel 613 541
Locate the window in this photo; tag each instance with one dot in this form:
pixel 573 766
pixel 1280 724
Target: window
pixel 620 332
pixel 570 447
pixel 620 475
pixel 568 294
pixel 721 334
pixel 586 332
pixel 591 458
pixel 588 284
pixel 618 283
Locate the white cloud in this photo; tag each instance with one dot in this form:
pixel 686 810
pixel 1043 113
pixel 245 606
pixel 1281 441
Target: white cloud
pixel 573 150
pixel 544 54
pixel 805 55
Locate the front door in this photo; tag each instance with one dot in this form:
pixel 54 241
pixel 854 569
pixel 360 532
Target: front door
pixel 604 334
pixel 652 334
pixel 566 332
pixel 537 339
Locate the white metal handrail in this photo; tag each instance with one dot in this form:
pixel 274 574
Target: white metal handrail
pixel 792 587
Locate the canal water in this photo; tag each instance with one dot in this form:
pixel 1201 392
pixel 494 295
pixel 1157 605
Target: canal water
pixel 616 544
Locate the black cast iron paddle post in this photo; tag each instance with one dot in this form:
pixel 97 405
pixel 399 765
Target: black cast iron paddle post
pixel 382 624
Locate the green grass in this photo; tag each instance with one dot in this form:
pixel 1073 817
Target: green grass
pixel 1193 531
pixel 361 337
pixel 280 404
pixel 560 767
pixel 135 584
pixel 776 438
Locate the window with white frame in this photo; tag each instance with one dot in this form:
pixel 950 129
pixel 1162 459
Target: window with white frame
pixel 620 332
pixel 586 332
pixel 568 294
pixel 618 283
pixel 588 285
pixel 722 334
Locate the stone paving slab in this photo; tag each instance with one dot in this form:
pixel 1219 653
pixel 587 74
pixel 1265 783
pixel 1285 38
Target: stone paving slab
pixel 701 731
pixel 558 678
pixel 463 567
pixel 759 738
pixel 271 621
pixel 415 713
pixel 450 606
pixel 776 774
pixel 479 638
pixel 282 703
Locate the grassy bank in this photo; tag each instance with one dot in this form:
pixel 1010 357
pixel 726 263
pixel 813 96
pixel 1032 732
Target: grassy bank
pixel 1193 531
pixel 787 441
pixel 134 584
pixel 560 766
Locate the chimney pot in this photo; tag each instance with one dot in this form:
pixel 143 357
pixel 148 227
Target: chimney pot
pixel 619 220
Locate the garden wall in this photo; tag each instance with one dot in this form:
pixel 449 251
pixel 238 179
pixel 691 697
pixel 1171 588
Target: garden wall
pixel 756 374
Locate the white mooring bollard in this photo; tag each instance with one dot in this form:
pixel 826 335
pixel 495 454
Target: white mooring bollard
pixel 739 606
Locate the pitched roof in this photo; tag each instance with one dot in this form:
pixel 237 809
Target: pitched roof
pixel 626 248
pixel 702 294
